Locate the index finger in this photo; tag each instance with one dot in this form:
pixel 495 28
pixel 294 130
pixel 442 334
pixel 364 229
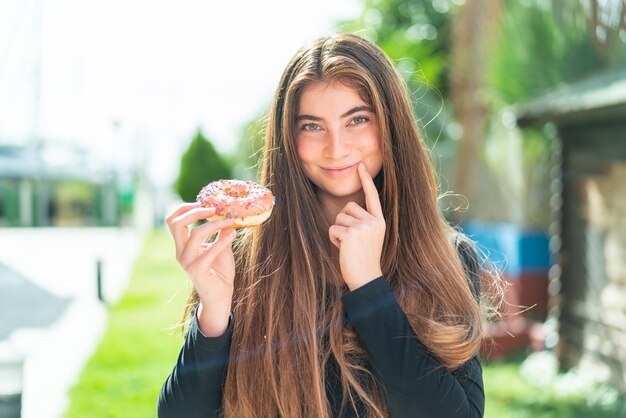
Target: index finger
pixel 372 201
pixel 179 226
pixel 180 209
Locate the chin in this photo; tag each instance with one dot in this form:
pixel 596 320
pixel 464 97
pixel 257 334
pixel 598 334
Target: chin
pixel 345 191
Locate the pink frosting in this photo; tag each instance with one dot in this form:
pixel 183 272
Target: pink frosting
pixel 236 198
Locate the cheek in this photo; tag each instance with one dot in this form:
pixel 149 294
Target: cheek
pixel 306 150
pixel 372 147
pixel 373 150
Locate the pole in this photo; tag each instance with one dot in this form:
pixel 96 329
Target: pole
pixel 99 281
pixel 11 375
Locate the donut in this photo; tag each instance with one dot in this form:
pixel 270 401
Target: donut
pixel 248 203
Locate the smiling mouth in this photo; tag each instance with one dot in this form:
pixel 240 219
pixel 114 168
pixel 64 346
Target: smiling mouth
pixel 337 171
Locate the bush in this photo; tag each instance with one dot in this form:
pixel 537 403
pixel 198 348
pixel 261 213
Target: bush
pixel 199 165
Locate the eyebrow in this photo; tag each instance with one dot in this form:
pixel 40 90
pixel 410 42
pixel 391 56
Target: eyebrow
pixel 348 113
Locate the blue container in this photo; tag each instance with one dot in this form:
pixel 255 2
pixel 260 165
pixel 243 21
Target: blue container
pixel 512 249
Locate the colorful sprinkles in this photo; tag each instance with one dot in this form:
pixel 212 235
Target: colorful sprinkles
pixel 236 198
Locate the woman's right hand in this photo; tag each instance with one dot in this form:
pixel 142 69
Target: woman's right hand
pixel 210 266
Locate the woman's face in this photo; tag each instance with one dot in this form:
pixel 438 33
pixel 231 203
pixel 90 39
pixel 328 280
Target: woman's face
pixel 336 130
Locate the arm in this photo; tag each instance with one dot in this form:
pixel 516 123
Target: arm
pixel 414 382
pixel 194 388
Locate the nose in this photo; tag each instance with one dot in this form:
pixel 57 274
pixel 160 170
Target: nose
pixel 337 145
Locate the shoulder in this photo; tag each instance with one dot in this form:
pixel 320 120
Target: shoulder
pixel 466 250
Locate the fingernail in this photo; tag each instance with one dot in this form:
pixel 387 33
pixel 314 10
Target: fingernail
pixel 362 165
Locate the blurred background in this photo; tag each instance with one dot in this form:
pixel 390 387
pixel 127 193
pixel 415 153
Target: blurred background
pixel 112 113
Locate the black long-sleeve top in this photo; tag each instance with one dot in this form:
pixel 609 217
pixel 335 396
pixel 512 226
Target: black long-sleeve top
pixel 415 383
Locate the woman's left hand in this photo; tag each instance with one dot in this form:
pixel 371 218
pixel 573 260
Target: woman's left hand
pixel 359 234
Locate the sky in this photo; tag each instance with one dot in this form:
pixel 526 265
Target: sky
pixel 132 80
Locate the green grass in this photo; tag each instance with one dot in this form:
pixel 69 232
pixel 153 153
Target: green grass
pixel 509 395
pixel 138 351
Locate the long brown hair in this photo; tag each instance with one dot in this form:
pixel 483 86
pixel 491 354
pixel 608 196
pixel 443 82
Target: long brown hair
pixel 287 312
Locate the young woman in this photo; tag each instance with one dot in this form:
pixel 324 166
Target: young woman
pixel 355 298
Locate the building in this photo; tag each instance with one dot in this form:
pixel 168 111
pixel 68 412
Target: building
pixel 53 185
pixel 588 236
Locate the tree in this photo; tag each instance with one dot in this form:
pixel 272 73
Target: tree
pixel 199 165
pixel 416 36
pixel 535 47
pixel 475 25
pixel 482 56
pixel 249 152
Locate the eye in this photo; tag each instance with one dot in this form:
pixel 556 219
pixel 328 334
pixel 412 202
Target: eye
pixel 359 120
pixel 310 127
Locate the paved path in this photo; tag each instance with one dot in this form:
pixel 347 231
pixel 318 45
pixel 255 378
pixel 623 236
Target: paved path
pixel 62 261
pixel 24 304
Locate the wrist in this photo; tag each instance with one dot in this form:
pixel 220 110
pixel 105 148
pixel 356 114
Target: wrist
pixel 211 321
pixel 362 280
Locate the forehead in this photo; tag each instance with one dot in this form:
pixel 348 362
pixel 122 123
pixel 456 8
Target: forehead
pixel 324 95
